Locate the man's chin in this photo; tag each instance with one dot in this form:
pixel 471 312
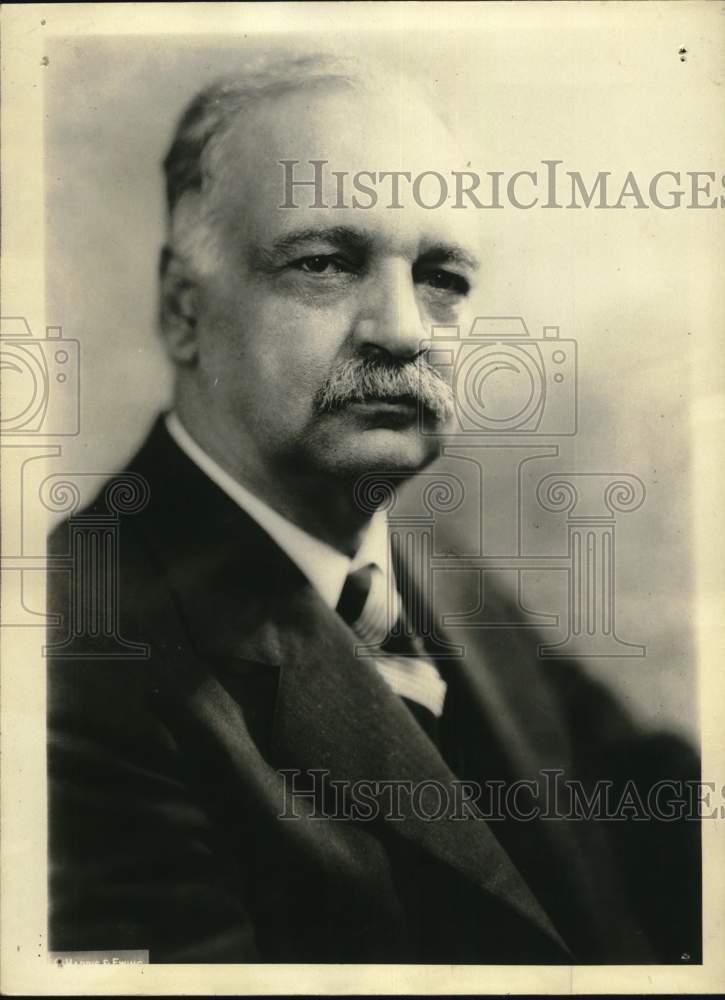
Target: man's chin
pixel 379 450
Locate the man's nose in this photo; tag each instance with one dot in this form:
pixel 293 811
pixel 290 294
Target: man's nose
pixel 389 319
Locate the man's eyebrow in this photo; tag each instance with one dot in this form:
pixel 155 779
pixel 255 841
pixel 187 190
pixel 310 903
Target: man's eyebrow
pixel 342 236
pixel 450 253
pixel 349 238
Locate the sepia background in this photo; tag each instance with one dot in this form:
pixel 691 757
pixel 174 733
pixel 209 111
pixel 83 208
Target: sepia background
pixel 628 286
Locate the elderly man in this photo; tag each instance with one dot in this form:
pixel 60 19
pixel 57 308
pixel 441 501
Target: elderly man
pixel 197 795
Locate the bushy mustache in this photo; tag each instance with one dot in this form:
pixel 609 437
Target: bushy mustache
pixel 361 380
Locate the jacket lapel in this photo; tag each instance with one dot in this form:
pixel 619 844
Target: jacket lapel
pixel 334 712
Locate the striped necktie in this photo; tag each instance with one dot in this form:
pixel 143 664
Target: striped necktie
pixel 373 611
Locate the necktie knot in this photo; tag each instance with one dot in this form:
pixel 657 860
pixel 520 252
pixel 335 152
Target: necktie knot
pixel 354 594
pixel 372 609
pixel 369 606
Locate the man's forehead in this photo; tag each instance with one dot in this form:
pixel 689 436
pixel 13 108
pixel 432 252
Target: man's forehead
pixel 334 141
pixel 354 123
pixel 352 128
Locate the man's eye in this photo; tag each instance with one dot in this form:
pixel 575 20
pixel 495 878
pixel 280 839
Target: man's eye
pixel 321 264
pixel 444 281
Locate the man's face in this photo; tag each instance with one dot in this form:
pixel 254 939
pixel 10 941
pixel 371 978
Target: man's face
pixel 301 291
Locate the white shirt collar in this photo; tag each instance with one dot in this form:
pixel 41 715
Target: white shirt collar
pixel 324 566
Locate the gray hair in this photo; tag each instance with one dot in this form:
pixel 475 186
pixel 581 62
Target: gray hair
pixel 192 163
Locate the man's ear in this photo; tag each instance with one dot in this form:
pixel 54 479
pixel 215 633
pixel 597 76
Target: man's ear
pixel 178 319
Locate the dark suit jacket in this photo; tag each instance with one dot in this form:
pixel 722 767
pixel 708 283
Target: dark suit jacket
pixel 165 789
